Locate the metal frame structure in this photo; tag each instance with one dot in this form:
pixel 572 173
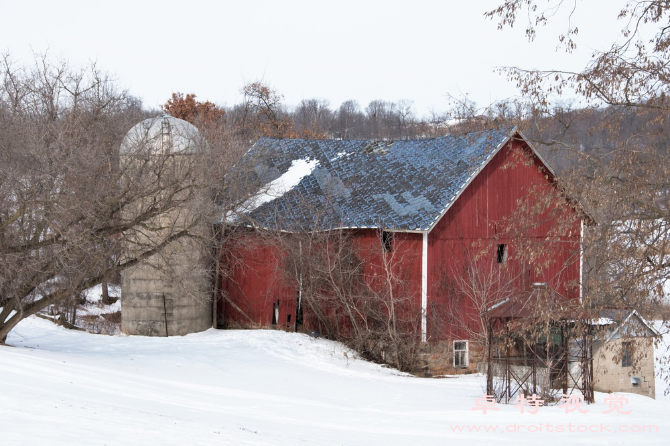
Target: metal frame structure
pixel 547 356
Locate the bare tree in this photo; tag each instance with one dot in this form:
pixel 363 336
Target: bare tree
pixel 313 118
pixel 473 288
pixel 350 120
pixel 262 113
pixel 353 286
pixel 617 144
pixel 73 210
pixel 356 292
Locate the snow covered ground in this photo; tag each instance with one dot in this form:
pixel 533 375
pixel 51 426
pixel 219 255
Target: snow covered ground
pixel 234 387
pixel 89 313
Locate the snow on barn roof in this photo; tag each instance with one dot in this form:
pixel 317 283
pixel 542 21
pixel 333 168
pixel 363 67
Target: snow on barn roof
pixel 276 188
pixel 404 185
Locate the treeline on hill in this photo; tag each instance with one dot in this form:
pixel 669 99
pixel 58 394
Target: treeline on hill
pixel 262 112
pixel 561 136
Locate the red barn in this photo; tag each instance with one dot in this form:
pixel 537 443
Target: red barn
pixel 441 228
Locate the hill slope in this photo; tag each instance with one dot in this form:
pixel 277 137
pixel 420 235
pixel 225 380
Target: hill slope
pixel 255 388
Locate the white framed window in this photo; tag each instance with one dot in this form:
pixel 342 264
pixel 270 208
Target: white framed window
pixel 460 354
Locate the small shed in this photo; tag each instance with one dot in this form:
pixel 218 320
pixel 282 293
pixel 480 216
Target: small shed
pixel 623 353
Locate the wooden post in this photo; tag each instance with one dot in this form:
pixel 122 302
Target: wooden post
pixel 587 369
pixel 566 361
pixel 165 314
pixel 217 290
pixel 489 370
pixel 508 376
pixel 534 366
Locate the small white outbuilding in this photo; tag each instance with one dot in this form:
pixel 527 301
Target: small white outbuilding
pixel 623 353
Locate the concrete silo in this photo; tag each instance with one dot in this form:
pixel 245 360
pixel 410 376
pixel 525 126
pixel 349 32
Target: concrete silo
pixel 170 292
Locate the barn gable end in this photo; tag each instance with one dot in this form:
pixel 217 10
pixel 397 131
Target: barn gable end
pixel 482 231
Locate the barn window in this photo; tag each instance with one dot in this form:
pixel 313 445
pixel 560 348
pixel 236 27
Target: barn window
pixel 501 253
pixel 460 354
pixel 387 241
pixel 275 312
pixel 627 358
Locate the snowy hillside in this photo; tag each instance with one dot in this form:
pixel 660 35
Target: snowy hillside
pixel 262 388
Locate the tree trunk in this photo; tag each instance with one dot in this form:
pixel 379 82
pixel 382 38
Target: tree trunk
pixel 105 294
pixel 6 328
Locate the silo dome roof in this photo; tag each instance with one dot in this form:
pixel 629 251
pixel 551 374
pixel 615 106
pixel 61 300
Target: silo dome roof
pixel 162 135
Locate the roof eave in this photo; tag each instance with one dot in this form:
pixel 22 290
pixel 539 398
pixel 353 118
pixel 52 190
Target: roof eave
pixel 579 208
pixel 336 228
pixel 625 321
pixel 536 152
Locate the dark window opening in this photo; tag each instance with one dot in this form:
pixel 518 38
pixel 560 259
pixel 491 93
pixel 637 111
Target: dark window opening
pixel 288 318
pixel 501 253
pixel 299 312
pixel 275 312
pixel 627 358
pixel 387 241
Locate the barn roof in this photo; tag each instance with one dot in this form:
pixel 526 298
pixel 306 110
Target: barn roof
pixel 404 185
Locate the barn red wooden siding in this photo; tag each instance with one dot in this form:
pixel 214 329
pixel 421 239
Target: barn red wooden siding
pixel 474 226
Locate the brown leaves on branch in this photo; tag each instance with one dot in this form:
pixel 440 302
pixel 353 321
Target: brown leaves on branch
pixel 264 112
pixel 187 108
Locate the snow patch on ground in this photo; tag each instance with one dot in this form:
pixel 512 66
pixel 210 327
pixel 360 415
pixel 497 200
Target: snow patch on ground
pixel 88 312
pixel 94 305
pixel 94 294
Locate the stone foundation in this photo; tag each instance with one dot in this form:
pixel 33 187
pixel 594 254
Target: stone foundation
pixel 437 358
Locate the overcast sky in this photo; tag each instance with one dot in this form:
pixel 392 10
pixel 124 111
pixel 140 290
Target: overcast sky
pixel 419 50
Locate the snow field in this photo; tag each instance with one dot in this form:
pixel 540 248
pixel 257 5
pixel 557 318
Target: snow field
pixel 261 387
